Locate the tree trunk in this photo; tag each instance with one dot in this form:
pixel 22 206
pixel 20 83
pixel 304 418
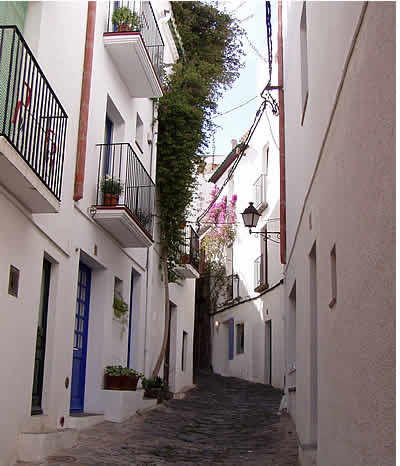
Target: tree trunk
pixel 164 260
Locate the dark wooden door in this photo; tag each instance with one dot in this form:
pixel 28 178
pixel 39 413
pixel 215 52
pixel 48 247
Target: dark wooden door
pixel 40 349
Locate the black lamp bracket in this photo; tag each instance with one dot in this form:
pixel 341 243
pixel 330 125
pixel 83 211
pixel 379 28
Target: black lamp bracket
pixel 268 235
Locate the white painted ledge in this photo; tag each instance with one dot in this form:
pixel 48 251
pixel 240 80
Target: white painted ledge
pixel 120 405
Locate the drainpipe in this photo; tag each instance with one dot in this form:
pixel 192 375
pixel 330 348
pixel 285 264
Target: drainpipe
pixel 85 98
pixel 281 139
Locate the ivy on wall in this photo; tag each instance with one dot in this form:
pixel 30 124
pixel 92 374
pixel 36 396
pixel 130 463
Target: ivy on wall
pixel 213 50
pixel 211 62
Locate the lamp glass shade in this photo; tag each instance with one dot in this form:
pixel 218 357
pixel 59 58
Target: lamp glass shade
pixel 250 216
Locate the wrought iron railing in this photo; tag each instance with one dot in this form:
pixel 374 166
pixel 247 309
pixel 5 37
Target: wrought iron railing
pixel 145 23
pixel 190 248
pixel 259 272
pixel 32 118
pixel 123 181
pixel 260 191
pixel 230 288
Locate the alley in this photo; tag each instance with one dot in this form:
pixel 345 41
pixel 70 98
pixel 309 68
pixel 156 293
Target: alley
pixel 222 421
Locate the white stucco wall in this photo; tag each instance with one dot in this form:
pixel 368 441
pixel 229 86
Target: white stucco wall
pixel 253 363
pixel 55 31
pixel 351 203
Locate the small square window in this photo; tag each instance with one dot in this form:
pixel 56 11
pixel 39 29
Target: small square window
pixel 239 338
pixel 13 281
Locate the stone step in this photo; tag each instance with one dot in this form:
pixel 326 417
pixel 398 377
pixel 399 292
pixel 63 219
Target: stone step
pixel 34 446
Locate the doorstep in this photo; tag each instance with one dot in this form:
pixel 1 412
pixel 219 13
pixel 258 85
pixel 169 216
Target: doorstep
pixel 34 446
pixel 81 421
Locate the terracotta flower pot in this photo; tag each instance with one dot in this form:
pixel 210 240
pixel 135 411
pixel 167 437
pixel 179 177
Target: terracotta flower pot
pixel 110 199
pixel 185 259
pixel 112 382
pixel 123 28
pixel 129 382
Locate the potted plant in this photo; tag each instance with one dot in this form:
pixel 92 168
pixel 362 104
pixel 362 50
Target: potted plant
pixel 125 19
pixel 185 258
pixel 121 378
pixel 129 378
pixel 155 387
pixel 111 189
pixel 112 377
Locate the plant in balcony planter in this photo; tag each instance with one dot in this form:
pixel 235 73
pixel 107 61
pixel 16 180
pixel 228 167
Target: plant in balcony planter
pixel 111 188
pixel 185 258
pixel 155 387
pixel 125 19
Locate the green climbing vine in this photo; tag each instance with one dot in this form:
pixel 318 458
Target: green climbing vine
pixel 213 49
pixel 211 62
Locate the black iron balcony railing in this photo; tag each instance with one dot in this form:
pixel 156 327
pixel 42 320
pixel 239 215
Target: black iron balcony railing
pixel 32 118
pixel 144 21
pixel 260 191
pixel 190 248
pixel 230 288
pixel 124 182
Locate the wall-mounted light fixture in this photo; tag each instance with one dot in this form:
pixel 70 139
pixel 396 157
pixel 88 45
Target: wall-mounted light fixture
pixel 250 219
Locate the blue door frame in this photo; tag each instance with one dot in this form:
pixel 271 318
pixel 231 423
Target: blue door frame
pixel 80 339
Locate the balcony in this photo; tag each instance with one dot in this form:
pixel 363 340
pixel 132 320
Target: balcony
pixel 190 256
pixel 33 126
pixel 136 48
pixel 125 196
pixel 228 290
pixel 260 279
pixel 260 193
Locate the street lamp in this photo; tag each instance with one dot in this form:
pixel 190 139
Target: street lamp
pixel 250 219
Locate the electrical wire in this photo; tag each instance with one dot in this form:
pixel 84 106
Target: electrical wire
pixel 270 128
pixel 235 108
pixel 242 149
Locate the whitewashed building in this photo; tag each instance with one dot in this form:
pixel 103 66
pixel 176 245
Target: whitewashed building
pixel 339 294
pixel 77 105
pixel 247 327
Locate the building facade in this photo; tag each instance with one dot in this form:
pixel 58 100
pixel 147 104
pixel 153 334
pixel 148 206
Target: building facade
pixel 339 295
pixel 247 327
pixel 78 138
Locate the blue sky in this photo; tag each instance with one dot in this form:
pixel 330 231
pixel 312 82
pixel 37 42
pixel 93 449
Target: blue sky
pixel 236 123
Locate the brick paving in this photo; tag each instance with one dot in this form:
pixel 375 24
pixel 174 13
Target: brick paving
pixel 223 420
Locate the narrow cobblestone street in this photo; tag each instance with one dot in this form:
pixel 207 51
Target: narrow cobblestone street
pixel 222 421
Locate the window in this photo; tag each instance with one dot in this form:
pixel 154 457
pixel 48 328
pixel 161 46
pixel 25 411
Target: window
pixel 13 281
pixel 139 133
pixel 184 350
pixel 304 60
pixel 260 192
pixel 261 266
pixel 240 338
pixel 108 139
pixel 333 277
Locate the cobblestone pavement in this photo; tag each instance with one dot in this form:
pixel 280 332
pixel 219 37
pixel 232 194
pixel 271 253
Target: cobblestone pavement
pixel 223 420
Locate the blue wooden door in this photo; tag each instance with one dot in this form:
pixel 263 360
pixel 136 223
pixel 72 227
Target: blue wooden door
pixel 80 339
